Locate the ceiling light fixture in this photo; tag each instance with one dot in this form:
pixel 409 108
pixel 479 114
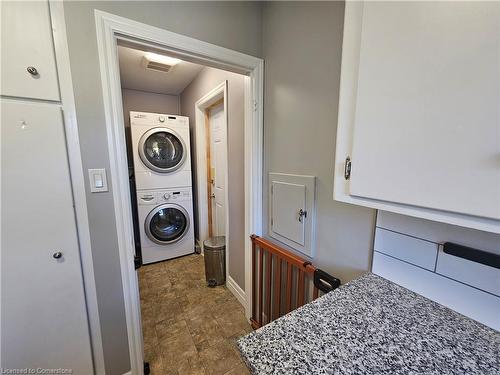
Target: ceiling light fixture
pixel 161 59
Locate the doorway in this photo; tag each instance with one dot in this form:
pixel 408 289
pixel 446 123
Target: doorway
pixel 111 28
pixel 215 125
pixel 211 113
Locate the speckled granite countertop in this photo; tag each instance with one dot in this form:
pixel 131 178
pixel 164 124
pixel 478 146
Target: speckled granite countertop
pixel 372 326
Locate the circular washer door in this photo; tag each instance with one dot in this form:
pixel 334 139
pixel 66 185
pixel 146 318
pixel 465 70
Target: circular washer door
pixel 162 150
pixel 166 224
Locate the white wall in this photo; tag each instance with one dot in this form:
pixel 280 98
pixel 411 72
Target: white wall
pixel 207 80
pixel 302 44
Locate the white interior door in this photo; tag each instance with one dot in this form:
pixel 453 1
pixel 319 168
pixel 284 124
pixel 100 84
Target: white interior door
pixel 44 319
pixel 218 160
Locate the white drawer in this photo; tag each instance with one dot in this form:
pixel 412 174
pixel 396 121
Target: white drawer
pixel 27 42
pixel 410 249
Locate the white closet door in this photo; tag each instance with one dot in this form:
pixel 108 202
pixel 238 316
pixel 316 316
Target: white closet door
pixel 427 123
pixel 27 42
pixel 44 319
pixel 218 158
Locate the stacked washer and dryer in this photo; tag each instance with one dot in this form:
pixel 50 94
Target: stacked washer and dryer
pixel 162 169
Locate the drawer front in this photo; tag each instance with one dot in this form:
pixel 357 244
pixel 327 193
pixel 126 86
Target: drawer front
pixel 27 42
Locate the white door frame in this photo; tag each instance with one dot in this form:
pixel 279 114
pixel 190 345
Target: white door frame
pixel 219 92
pixel 110 28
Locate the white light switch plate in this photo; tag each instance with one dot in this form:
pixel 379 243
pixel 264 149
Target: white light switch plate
pixel 97 180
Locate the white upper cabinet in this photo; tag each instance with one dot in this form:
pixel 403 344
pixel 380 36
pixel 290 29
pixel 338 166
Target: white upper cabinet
pixel 28 66
pixel 419 111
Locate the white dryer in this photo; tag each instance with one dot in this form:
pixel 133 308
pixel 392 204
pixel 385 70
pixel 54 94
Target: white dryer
pixel 166 221
pixel 161 150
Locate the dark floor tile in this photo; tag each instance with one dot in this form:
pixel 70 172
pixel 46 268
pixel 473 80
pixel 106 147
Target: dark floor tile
pixel 219 359
pixel 188 328
pixel 240 369
pixel 174 350
pixel 170 328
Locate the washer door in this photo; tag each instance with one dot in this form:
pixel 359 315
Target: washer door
pixel 167 223
pixel 162 150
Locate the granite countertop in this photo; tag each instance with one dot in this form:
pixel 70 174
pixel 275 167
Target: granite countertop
pixel 372 326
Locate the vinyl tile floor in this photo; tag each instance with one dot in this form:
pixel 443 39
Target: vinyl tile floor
pixel 189 328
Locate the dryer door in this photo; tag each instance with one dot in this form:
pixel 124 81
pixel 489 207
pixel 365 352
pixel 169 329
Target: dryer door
pixel 167 223
pixel 162 150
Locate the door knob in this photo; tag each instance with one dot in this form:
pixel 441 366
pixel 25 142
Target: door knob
pixel 57 255
pixel 32 70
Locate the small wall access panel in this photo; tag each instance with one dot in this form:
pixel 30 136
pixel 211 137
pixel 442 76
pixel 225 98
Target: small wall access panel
pixel 292 210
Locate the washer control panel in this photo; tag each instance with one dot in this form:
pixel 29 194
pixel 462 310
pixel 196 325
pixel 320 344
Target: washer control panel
pixel 149 197
pixel 174 195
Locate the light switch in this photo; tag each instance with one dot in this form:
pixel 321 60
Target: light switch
pixel 97 179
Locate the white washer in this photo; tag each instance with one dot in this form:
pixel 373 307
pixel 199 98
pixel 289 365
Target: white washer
pixel 161 150
pixel 166 221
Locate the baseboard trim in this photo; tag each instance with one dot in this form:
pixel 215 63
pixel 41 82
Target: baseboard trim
pixel 237 291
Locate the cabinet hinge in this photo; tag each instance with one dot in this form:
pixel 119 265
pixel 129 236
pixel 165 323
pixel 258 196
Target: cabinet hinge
pixel 347 168
pixel 255 105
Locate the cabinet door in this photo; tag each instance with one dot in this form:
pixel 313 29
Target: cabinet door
pixel 44 320
pixel 427 123
pixel 292 210
pixel 27 42
pixel 287 200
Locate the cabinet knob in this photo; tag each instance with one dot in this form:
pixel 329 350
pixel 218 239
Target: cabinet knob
pixel 57 255
pixel 32 70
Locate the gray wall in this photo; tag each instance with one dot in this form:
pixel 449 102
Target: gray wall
pixel 233 25
pixel 142 101
pixel 135 100
pixel 302 51
pixel 207 80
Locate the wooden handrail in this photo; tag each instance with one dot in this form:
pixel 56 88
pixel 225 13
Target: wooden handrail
pixel 282 253
pixel 269 281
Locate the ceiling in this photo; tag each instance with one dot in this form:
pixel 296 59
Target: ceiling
pixel 134 76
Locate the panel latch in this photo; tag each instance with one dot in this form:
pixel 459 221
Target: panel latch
pixel 302 214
